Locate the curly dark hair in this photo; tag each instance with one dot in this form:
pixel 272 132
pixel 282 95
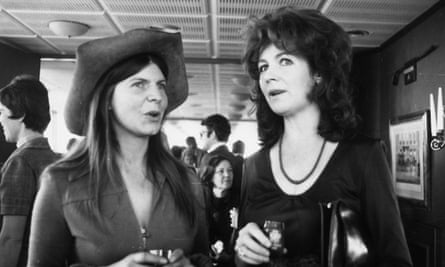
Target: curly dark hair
pixel 326 47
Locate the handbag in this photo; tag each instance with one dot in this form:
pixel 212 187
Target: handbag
pixel 344 241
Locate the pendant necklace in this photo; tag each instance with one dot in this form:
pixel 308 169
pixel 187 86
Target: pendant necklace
pixel 296 182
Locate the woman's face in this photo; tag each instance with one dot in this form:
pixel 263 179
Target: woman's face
pixel 223 176
pixel 285 81
pixel 139 102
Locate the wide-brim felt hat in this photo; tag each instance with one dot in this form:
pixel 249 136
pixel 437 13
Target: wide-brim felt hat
pixel 96 57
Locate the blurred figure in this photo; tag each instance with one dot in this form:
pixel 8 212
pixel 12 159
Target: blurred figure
pixel 193 152
pixel 24 116
pixel 215 132
pixel 120 193
pixel 189 158
pixel 300 62
pixel 220 199
pixel 238 148
pixel 177 151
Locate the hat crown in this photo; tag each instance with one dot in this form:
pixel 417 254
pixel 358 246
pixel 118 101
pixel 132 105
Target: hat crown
pixel 96 57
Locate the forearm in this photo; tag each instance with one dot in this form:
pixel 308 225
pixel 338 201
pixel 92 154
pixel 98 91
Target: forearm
pixel 9 250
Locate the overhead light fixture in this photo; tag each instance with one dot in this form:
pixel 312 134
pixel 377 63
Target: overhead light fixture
pixel 68 28
pixel 357 33
pixel 166 28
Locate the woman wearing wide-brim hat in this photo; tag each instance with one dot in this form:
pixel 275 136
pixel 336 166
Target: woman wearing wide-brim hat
pixel 120 194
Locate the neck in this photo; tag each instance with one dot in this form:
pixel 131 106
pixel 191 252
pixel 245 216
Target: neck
pixel 302 126
pixel 133 150
pixel 219 192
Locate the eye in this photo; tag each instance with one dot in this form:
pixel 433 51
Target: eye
pixel 262 67
pixel 162 85
pixel 285 61
pixel 139 84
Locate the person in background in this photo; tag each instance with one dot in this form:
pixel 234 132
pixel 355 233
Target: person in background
pixel 238 148
pixel 120 193
pixel 215 132
pixel 193 152
pixel 218 179
pixel 24 116
pixel 177 151
pixel 189 158
pixel 311 153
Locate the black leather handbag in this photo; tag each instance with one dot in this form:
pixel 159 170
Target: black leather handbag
pixel 344 242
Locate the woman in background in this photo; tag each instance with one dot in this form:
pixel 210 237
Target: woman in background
pixel 300 61
pixel 120 193
pixel 218 178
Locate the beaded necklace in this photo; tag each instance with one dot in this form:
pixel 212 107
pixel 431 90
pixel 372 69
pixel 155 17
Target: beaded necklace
pixel 296 182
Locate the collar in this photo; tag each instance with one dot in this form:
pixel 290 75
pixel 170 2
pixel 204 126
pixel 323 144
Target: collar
pixel 215 146
pixel 26 139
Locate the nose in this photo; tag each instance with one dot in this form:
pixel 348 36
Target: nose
pixel 269 74
pixel 154 95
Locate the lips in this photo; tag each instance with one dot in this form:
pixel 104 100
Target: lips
pixel 153 115
pixel 275 92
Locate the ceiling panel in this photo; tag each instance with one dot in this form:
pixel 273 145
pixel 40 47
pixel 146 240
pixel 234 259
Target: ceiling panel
pixel 211 30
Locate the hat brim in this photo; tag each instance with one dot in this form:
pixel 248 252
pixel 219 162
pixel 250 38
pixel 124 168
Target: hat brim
pixel 94 58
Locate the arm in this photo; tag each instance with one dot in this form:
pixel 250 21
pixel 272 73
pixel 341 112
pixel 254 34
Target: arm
pixel 50 241
pixel 11 236
pixel 382 212
pixel 201 243
pixel 251 246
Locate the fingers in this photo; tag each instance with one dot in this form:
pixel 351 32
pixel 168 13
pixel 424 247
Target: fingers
pixel 178 259
pixel 252 246
pixel 176 255
pixel 253 234
pixel 148 258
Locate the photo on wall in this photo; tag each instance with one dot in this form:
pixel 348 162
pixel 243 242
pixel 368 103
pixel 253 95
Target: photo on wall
pixel 410 157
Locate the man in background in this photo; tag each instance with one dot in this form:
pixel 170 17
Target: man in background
pixel 24 116
pixel 215 132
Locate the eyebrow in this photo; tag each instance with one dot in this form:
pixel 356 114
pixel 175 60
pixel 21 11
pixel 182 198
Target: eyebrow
pixel 276 56
pixel 147 80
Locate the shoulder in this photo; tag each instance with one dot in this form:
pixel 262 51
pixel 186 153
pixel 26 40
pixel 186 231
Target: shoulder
pixel 259 156
pixel 17 165
pixel 363 145
pixel 69 182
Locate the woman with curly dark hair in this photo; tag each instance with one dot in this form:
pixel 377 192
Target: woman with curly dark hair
pixel 300 62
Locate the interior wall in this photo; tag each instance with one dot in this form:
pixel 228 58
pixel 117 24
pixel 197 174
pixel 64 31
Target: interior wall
pixel 379 101
pixel 14 62
pixel 365 82
pixel 405 99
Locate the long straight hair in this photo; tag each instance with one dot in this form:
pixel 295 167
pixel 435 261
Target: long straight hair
pixel 97 152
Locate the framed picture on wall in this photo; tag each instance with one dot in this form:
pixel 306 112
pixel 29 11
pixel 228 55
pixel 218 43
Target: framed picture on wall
pixel 410 157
